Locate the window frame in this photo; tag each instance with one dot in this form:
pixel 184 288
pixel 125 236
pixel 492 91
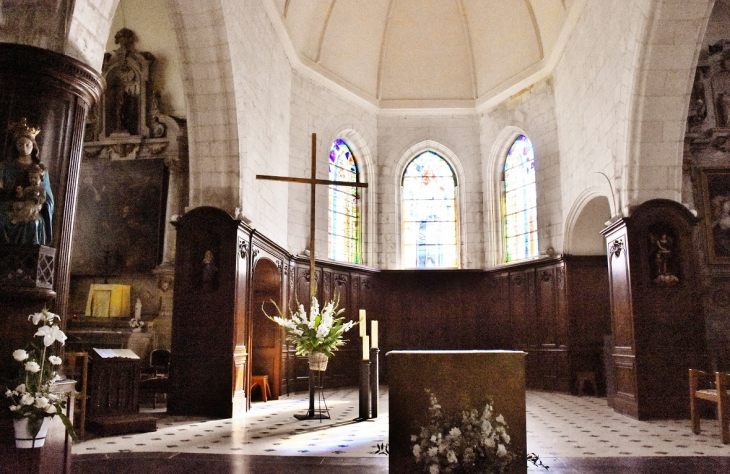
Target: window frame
pixel 503 204
pixel 456 200
pixel 359 204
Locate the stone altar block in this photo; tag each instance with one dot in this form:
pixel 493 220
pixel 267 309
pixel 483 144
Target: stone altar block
pixel 460 380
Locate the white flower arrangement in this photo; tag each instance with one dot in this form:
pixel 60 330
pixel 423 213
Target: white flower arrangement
pixel 463 443
pixel 316 331
pixel 31 396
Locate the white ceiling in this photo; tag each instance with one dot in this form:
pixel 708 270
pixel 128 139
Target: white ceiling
pixel 425 53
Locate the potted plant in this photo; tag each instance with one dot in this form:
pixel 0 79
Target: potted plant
pixel 316 334
pixel 32 401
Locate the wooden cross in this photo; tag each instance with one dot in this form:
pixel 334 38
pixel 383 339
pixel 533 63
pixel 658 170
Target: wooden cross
pixel 313 181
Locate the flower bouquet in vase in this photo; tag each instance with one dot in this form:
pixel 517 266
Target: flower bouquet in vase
pixel 467 442
pixel 317 333
pixel 32 401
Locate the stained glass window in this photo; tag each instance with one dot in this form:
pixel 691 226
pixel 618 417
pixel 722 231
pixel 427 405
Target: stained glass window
pixel 429 213
pixel 520 201
pixel 344 206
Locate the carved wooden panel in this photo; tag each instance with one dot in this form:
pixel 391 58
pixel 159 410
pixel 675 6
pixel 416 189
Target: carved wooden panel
pixel 522 307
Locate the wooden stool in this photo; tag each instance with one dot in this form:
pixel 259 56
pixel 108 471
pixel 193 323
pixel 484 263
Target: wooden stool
pixel 263 382
pixel 583 377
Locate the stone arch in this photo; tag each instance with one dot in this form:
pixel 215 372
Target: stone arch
pixel 362 150
pixel 451 158
pixel 663 78
pixel 587 217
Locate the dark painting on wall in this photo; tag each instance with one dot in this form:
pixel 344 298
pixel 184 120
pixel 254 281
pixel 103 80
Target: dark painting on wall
pixel 716 194
pixel 119 217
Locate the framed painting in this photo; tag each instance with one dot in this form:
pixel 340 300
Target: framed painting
pixel 716 197
pixel 119 217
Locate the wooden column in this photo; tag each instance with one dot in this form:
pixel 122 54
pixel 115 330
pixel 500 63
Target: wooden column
pixel 54 92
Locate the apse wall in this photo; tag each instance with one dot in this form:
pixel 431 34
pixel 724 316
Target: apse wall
pixel 532 111
pixel 459 133
pixel 317 109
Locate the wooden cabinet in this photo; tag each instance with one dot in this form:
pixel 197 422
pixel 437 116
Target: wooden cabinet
pixel 656 313
pixel 207 373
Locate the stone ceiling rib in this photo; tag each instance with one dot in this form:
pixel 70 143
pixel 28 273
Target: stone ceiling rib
pixel 538 37
pixel 378 92
pixel 467 35
pixel 324 30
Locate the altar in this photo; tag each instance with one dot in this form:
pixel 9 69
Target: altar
pixel 454 382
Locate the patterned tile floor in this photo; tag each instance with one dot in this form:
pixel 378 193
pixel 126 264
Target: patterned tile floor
pixel 561 425
pixel 558 426
pixel 267 429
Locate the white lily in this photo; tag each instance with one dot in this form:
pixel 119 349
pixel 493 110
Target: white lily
pixel 51 334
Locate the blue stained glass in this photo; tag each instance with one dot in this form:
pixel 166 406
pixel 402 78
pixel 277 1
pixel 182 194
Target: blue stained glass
pixel 520 201
pixel 428 200
pixel 344 242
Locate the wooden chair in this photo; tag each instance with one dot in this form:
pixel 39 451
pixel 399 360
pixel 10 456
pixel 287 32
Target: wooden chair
pixel 76 367
pixel 155 378
pixel 701 387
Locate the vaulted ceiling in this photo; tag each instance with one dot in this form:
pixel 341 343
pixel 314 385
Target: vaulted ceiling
pixel 425 53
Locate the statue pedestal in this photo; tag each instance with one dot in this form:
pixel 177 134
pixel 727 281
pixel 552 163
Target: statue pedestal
pixel 460 380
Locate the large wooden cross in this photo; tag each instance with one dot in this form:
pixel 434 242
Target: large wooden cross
pixel 313 182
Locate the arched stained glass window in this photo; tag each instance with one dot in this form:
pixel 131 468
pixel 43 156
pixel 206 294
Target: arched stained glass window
pixel 429 236
pixel 344 206
pixel 519 209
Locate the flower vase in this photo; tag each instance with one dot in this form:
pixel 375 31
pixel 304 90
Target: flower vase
pixel 23 437
pixel 318 361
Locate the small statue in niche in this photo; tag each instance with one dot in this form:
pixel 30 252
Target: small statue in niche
pixel 16 225
pixel 123 90
pixel 662 252
pixel 697 107
pixel 163 323
pixel 210 272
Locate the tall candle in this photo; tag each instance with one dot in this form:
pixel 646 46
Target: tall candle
pixel 374 334
pixel 362 323
pixel 365 348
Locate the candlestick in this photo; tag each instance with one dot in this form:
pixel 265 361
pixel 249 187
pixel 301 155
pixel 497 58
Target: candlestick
pixel 362 323
pixel 365 348
pixel 373 334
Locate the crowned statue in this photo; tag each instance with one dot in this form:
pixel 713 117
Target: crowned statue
pixel 26 200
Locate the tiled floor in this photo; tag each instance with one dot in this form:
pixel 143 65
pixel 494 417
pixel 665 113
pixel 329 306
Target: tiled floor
pixel 267 429
pixel 573 435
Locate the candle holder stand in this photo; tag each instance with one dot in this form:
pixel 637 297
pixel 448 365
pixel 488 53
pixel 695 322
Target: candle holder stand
pixel 316 386
pixel 364 391
pixel 374 382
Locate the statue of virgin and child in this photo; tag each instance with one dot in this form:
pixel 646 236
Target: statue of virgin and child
pixel 26 200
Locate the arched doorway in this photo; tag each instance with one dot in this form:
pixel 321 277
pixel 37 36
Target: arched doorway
pixel 265 342
pixel 585 237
